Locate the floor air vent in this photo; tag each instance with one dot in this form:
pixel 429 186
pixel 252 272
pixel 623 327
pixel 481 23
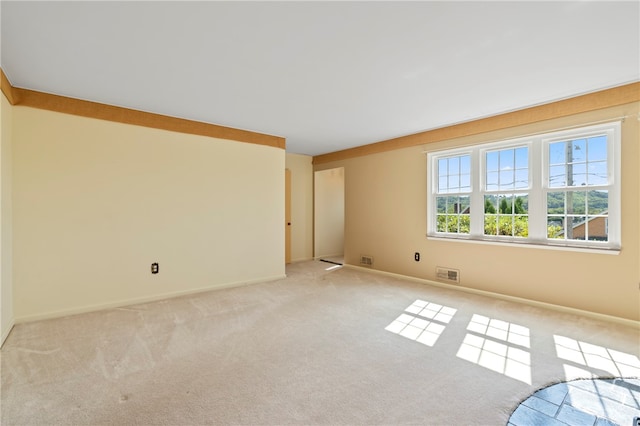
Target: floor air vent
pixel 446 274
pixel 366 260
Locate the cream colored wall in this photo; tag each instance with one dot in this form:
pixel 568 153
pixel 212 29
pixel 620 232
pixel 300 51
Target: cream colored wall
pixel 96 202
pixel 386 218
pixel 301 206
pixel 6 267
pixel 329 213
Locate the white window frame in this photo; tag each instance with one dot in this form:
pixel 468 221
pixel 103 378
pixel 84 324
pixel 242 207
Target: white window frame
pixel 470 194
pixel 538 152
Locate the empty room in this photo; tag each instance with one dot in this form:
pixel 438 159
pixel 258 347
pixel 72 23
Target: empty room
pixel 320 213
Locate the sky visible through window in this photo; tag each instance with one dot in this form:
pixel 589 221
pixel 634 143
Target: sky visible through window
pixel 578 162
pixel 454 174
pixel 549 189
pixel 507 169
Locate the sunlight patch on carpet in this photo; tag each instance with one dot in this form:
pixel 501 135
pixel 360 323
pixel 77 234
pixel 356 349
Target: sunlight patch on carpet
pixel 422 322
pixel 331 268
pixel 582 354
pixel 481 346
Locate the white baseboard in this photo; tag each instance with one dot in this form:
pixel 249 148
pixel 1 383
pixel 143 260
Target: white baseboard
pixel 327 255
pixel 6 332
pixel 302 259
pixel 136 301
pixel 565 309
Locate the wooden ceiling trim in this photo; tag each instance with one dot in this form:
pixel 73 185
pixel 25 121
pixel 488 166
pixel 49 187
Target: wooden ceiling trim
pixel 35 99
pixel 8 90
pixel 590 102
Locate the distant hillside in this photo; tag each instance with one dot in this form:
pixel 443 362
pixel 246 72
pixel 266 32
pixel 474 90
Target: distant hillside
pixel 598 203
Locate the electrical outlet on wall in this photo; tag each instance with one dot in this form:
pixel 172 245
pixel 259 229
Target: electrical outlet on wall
pixel 155 268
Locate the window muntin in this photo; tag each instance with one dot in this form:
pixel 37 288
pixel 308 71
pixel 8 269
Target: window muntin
pixel 579 184
pixel 578 162
pixel 506 215
pixel 454 174
pixel 559 188
pixel 452 199
pixel 506 211
pixel 507 169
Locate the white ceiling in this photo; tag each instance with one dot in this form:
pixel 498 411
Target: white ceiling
pixel 325 75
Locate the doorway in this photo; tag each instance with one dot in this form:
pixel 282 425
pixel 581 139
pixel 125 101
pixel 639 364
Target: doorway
pixel 329 215
pixel 287 216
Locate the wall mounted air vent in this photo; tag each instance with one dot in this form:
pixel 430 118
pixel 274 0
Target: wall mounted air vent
pixel 448 274
pixel 366 260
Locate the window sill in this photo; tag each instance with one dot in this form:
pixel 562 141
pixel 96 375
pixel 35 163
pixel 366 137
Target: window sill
pixel 529 245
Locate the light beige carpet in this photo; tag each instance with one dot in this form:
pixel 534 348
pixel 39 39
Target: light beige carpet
pixel 337 346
